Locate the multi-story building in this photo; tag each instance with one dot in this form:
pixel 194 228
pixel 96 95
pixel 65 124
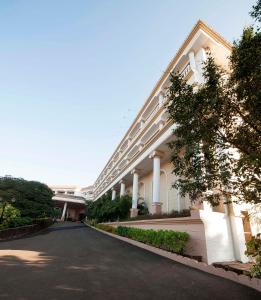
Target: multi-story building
pixel 140 165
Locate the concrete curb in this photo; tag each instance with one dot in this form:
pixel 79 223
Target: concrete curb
pixel 254 283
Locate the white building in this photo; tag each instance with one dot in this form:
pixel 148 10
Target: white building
pixel 71 200
pixel 73 190
pixel 140 165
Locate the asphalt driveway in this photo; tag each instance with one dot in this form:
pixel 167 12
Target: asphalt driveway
pixel 72 261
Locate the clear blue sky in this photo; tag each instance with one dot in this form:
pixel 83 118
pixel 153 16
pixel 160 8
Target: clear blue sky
pixel 73 74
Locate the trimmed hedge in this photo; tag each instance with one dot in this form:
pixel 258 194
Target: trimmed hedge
pixel 169 240
pixel 107 228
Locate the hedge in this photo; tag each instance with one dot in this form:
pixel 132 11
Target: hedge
pixel 169 240
pixel 107 228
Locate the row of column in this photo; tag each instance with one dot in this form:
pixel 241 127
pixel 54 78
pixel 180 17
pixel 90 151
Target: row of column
pixel 156 204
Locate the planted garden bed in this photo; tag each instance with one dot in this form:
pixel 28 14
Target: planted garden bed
pixel 168 240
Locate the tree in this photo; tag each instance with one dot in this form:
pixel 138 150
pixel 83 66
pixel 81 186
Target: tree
pixel 216 151
pixel 104 209
pixel 33 199
pixel 7 194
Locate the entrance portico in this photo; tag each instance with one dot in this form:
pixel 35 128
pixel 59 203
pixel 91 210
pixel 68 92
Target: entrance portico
pixel 72 207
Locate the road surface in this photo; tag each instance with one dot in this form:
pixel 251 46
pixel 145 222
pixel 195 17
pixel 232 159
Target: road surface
pixel 72 261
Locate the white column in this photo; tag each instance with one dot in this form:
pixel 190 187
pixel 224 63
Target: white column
pixel 135 189
pixel 161 99
pixel 193 66
pixel 156 155
pixel 156 179
pixel 202 57
pixel 113 194
pixel 64 211
pixel 122 191
pixel 156 205
pixel 179 200
pixel 207 206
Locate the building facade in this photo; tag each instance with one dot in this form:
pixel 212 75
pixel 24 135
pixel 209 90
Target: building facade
pixel 71 200
pixel 140 165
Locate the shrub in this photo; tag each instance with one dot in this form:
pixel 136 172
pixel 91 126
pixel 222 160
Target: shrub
pixel 143 208
pixel 254 251
pixel 107 228
pixel 18 222
pixel 104 209
pixel 169 240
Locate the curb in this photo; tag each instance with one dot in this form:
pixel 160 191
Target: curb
pixel 254 283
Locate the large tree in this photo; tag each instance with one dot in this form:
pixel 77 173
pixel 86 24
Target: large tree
pixel 216 150
pixel 33 199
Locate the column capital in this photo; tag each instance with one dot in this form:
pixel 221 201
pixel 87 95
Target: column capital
pixel 156 153
pixel 135 171
pixel 122 181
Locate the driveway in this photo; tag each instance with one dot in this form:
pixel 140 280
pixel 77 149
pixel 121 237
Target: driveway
pixel 72 261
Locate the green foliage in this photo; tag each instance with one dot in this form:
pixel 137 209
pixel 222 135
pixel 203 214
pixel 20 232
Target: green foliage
pixel 9 212
pixel 143 208
pixel 256 12
pixel 104 209
pixel 31 198
pixel 169 240
pixel 107 228
pixel 254 251
pixel 12 217
pixel 173 214
pixel 217 119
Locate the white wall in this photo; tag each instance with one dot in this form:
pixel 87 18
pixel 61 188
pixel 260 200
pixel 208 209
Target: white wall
pixel 218 237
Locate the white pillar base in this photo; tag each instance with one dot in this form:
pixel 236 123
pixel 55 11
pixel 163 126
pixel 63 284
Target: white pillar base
pixel 133 212
pixel 156 208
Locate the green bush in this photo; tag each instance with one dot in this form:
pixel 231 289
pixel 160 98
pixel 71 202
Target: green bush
pixel 254 251
pixel 107 228
pixel 105 210
pixel 33 199
pixel 169 240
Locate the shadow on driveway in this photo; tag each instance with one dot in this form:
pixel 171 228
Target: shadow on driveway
pixel 72 261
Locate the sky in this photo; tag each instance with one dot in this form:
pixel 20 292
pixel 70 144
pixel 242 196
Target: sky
pixel 74 73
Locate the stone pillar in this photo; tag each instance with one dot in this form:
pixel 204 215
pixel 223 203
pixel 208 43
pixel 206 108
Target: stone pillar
pixel 113 194
pixel 156 204
pixel 64 211
pixel 135 193
pixel 123 188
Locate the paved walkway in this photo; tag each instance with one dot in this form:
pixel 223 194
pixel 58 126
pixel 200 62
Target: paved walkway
pixel 71 261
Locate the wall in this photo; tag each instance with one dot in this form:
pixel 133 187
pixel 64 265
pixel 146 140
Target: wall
pixel 192 225
pixel 219 240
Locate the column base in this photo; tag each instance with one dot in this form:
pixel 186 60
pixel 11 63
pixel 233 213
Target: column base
pixel 156 208
pixel 133 212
